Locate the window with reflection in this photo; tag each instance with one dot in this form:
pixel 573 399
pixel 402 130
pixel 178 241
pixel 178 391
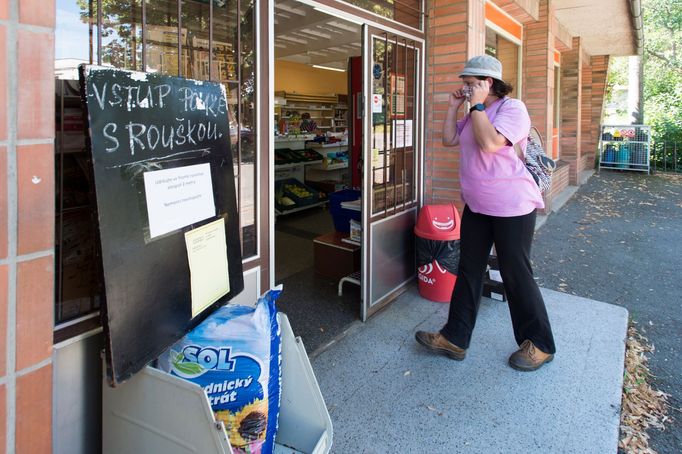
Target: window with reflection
pixel 407 12
pixel 394 127
pixel 161 37
pixel 121 34
pixel 198 39
pixel 508 53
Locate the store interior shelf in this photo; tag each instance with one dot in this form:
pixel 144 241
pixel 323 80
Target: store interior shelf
pixel 319 146
pixel 294 165
pixel 294 210
pixel 335 166
pixel 325 110
pixel 307 98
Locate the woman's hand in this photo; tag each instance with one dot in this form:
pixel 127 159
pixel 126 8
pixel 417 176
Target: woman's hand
pixel 479 92
pixel 450 136
pixel 457 98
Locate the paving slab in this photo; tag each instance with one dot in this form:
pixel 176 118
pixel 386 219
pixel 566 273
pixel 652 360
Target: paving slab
pixel 387 394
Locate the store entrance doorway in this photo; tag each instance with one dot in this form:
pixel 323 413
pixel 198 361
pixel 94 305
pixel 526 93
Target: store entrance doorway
pixel 313 170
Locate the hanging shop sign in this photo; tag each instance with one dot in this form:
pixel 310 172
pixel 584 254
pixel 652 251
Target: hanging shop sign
pixel 166 208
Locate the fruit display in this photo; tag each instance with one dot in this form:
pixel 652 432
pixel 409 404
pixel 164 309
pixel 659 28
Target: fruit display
pixel 297 190
pixel 286 156
pixel 308 155
pixel 291 193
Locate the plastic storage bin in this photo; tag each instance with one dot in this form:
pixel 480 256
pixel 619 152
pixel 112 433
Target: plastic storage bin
pixel 155 412
pixel 342 216
pixel 437 232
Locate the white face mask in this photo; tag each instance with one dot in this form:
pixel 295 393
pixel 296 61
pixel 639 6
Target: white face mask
pixel 466 90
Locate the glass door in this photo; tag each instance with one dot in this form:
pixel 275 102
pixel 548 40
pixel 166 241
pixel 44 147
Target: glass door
pixel 391 164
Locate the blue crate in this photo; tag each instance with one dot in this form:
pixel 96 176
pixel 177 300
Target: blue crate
pixel 342 216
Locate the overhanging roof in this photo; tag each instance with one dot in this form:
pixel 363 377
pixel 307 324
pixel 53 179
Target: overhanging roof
pixel 605 26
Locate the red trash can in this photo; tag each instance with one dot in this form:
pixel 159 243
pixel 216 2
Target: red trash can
pixel 437 232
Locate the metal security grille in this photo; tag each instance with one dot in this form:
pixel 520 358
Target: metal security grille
pixel 394 132
pixel 665 156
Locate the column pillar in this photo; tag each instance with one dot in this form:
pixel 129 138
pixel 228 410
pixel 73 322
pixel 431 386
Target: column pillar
pixel 538 72
pixel 455 32
pixel 600 69
pixel 27 193
pixel 571 98
pixel 585 118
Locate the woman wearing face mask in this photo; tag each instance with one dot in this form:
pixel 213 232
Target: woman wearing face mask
pixel 501 199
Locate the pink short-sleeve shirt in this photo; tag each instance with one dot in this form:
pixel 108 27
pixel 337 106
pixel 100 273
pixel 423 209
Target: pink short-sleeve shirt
pixel 498 184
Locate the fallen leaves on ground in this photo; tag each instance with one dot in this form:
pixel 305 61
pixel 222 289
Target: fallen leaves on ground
pixel 435 410
pixel 642 406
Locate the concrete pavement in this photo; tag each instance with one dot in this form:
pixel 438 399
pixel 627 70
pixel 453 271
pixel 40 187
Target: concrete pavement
pixel 387 394
pixel 619 240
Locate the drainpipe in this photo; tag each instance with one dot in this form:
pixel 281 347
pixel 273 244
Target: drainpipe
pixel 636 13
pixel 638 25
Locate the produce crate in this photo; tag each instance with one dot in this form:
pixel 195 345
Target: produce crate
pixel 287 156
pixel 307 155
pixel 301 194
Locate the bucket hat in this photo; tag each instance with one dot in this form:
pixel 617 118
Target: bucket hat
pixel 483 65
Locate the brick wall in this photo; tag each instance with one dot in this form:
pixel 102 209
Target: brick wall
pixel 455 31
pixel 559 183
pixel 587 162
pixel 600 68
pixel 26 224
pixel 571 99
pixel 538 72
pixel 586 113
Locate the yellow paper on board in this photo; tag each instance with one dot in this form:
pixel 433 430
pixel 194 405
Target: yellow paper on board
pixel 207 254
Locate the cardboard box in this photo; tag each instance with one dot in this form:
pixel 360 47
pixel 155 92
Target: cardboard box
pixel 333 257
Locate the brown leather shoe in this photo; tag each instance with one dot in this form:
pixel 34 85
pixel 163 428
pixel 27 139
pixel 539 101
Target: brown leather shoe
pixel 439 344
pixel 528 357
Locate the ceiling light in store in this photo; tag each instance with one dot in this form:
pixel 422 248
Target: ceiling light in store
pixel 329 68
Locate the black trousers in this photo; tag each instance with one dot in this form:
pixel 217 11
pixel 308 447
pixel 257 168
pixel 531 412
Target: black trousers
pixel 512 237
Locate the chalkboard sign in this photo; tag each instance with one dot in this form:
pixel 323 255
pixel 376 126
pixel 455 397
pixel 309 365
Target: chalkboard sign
pixel 163 171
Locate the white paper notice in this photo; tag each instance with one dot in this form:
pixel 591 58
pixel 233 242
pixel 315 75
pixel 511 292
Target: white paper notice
pixel 178 197
pixel 207 255
pixel 403 133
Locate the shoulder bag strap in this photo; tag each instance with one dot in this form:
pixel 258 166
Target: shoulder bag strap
pixel 537 133
pixel 517 147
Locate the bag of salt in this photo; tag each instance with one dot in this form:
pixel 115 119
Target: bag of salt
pixel 235 356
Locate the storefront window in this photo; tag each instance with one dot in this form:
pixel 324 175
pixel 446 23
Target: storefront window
pixel 195 42
pixel 199 39
pixel 161 37
pixel 408 12
pixel 121 30
pixel 247 123
pixel 508 53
